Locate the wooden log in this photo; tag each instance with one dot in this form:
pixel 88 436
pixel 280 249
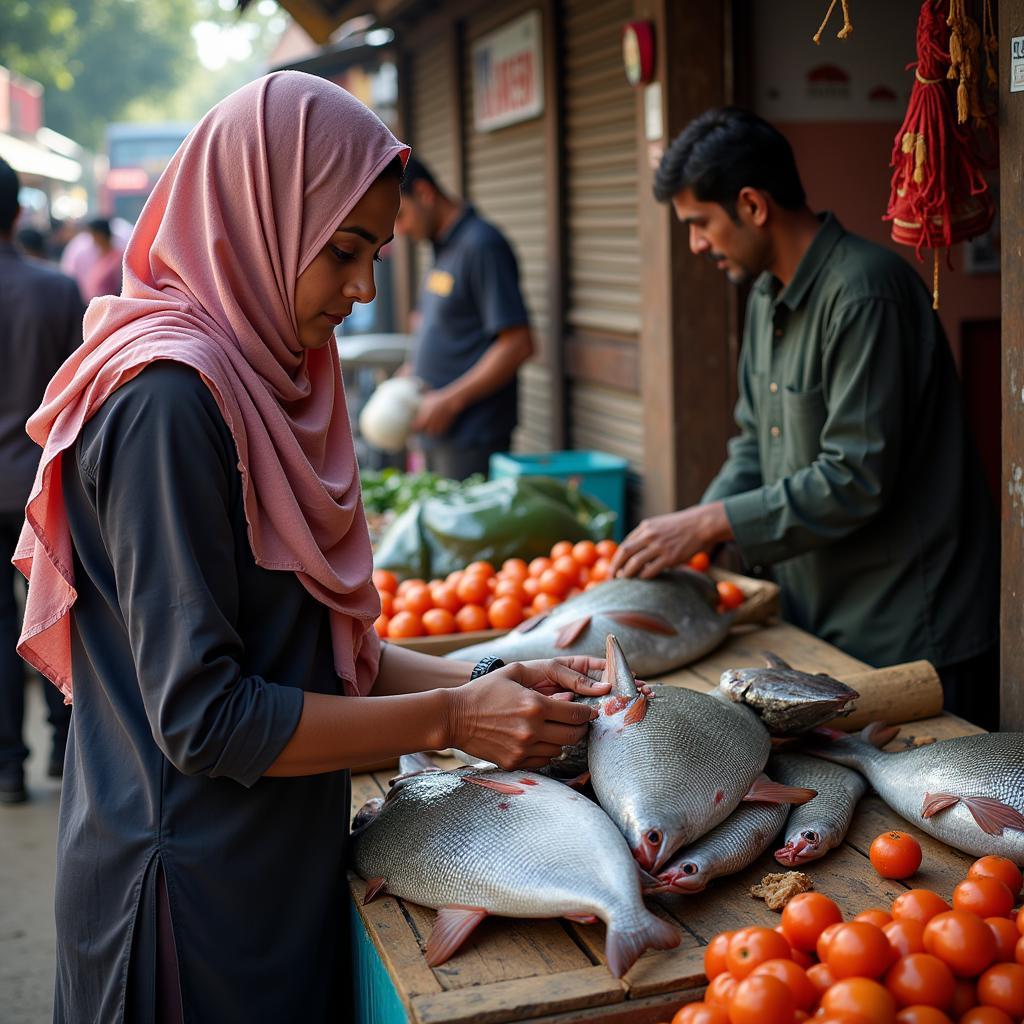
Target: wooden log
pixel 900 693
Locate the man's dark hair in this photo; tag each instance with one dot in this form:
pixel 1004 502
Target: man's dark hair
pixel 101 226
pixel 33 242
pixel 725 150
pixel 9 187
pixel 394 170
pixel 416 171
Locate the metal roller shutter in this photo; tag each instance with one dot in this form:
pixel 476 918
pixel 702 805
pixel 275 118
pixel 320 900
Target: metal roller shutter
pixel 506 181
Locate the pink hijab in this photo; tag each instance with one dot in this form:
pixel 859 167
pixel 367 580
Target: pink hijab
pixel 248 201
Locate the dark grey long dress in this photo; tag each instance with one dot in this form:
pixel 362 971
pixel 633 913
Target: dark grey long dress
pixel 189 664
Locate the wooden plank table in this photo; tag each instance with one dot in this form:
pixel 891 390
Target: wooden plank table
pixel 553 972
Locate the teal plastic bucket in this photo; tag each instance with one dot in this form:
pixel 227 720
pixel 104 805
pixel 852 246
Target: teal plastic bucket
pixel 597 474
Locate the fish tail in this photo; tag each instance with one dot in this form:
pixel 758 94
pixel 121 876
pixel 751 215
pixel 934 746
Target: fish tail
pixel 623 946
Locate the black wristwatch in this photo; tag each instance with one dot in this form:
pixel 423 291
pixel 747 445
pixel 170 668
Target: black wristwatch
pixel 485 665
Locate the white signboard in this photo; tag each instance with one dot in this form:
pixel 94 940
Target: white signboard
pixel 508 74
pixel 1017 64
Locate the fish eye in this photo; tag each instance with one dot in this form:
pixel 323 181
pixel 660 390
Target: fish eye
pixel 810 835
pixel 654 837
pixel 690 869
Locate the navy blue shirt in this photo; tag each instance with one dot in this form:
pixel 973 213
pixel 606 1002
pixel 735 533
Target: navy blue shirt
pixel 470 296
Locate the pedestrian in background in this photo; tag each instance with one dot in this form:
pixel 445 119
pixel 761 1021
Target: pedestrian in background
pixel 473 330
pixel 40 325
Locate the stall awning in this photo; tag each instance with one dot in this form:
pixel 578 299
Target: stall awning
pixel 29 157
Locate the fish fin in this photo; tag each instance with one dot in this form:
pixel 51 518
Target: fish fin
pixel 826 732
pixel 622 949
pixel 992 815
pixel 531 623
pixel 652 622
pixel 764 791
pixel 579 782
pixel 935 802
pixel 878 734
pixel 616 669
pixel 374 887
pixel 419 762
pixel 569 634
pixel 499 787
pixel 774 661
pixel 581 918
pixel 637 711
pixel 452 927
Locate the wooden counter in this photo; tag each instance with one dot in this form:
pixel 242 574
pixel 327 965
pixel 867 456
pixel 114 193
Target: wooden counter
pixel 552 972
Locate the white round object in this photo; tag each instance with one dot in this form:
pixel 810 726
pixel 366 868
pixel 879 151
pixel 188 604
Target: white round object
pixel 388 414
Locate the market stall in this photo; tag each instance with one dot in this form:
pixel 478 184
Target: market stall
pixel 554 971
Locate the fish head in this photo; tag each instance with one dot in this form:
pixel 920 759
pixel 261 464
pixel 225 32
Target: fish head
pixel 683 876
pixel 650 846
pixel 803 847
pixel 367 813
pixel 735 682
pixel 787 701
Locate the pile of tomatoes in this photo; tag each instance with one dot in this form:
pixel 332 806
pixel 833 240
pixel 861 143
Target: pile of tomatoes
pixel 921 961
pixel 480 597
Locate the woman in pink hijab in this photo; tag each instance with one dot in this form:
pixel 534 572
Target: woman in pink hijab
pixel 199 573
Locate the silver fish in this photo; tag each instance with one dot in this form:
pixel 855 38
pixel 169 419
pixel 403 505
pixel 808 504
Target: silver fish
pixel 472 843
pixel 670 767
pixel 821 824
pixel 726 849
pixel 661 623
pixel 787 701
pixel 967 792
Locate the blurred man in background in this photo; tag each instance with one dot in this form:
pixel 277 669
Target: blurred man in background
pixel 473 332
pixel 40 325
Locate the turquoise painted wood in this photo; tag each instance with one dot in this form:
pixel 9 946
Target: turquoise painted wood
pixel 376 999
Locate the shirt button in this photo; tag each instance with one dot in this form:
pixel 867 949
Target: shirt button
pixel 773 387
pixel 775 432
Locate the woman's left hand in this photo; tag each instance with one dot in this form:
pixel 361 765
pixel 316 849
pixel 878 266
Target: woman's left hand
pixel 592 668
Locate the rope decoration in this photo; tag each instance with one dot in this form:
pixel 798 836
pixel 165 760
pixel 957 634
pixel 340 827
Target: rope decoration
pixel 844 32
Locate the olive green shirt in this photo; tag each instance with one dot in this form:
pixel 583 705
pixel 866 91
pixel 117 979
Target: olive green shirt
pixel 853 475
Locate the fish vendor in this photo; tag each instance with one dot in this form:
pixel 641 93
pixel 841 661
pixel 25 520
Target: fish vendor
pixel 853 476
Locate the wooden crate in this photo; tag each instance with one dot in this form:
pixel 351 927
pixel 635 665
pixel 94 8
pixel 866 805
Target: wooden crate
pixel 553 972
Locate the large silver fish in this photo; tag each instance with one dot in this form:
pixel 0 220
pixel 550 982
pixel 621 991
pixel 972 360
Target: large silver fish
pixel 787 701
pixel 727 848
pixel 661 624
pixel 669 767
pixel 967 792
pixel 821 824
pixel 473 842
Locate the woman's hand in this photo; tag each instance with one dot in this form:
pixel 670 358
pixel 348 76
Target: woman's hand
pixel 521 716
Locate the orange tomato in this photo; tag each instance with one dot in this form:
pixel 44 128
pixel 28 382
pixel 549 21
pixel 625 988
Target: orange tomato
pixel 452 579
pixel 514 569
pixel 531 586
pixel 998 867
pixel 821 977
pixel 821 946
pixel 567 566
pixel 806 916
pixel 512 588
pixel 802 959
pixel 922 1015
pixel 606 549
pixel 387 603
pixel 918 905
pixel 875 916
pixel 562 548
pixel 404 625
pixel 721 990
pixel 964 997
pixel 505 613
pixel 962 940
pixel 483 568
pixel 417 599
pixel 554 582
pixel 439 622
pixel 585 552
pixel 1018 950
pixel 986 1015
pixel 921 979
pixel 381 624
pixel 445 596
pixel 794 977
pixel 859 950
pixel 583 576
pixel 715 953
pixel 905 937
pixel 859 997
pixel 752 946
pixel 599 570
pixel 762 999
pixel 1002 986
pixel 406 584
pixel 1007 937
pixel 385 581
pixel 592 584
pixel 545 602
pixel 471 617
pixel 701 1013
pixel 472 589
pixel 895 854
pixel 539 565
pixel 986 897
pixel 701 561
pixel 730 595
